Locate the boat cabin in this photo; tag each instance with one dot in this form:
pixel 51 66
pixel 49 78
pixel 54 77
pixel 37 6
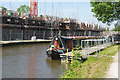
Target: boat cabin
pixel 62 43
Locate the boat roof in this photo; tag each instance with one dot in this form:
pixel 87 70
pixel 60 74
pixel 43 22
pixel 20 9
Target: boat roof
pixel 64 37
pixel 94 40
pixel 81 37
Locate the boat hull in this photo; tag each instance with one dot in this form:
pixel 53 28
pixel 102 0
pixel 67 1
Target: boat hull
pixel 53 55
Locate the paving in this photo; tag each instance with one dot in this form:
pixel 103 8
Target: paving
pixel 113 69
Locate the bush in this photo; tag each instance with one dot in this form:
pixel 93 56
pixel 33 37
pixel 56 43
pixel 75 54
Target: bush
pixel 77 47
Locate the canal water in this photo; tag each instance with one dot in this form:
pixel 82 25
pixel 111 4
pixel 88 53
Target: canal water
pixel 29 61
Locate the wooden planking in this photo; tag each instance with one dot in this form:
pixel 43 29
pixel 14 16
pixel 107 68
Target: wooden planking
pixel 86 52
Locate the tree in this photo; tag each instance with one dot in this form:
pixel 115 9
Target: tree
pixel 24 9
pixel 117 26
pixel 107 12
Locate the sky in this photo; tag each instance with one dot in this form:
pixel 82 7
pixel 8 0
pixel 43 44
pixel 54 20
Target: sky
pixel 78 10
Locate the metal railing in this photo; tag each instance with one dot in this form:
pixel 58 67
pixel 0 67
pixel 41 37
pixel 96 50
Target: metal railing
pixel 93 42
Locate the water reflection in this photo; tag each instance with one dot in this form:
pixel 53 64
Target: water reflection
pixel 29 61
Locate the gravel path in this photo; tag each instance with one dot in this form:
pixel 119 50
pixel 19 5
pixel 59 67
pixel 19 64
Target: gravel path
pixel 113 70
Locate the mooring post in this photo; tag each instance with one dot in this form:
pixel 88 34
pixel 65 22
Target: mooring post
pixel 99 51
pixel 96 52
pixel 67 60
pixel 81 44
pixel 34 33
pixel 72 56
pixel 44 35
pixel 91 43
pixel 10 35
pixel 67 55
pixel 22 35
pixel 87 44
pixel 106 43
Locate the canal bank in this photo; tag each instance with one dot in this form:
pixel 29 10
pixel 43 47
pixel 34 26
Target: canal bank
pixel 93 67
pixel 9 43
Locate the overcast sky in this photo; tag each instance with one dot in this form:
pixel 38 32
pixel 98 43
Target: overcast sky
pixel 80 10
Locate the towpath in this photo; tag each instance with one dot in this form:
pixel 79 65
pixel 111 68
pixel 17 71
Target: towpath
pixel 113 70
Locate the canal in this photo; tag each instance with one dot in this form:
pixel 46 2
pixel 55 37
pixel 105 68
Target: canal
pixel 29 61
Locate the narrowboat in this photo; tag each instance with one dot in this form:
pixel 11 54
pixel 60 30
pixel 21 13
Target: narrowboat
pixel 59 45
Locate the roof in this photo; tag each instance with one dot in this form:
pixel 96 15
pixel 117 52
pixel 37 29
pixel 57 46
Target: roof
pixel 64 37
pixel 81 37
pixel 94 40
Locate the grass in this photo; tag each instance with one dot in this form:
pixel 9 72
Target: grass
pixel 93 67
pixel 110 51
pixel 118 47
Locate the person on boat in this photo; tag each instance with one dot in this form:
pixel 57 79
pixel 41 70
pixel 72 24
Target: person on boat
pixel 57 49
pixel 61 48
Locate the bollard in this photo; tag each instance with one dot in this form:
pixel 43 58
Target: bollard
pixel 67 55
pixel 96 52
pixel 72 57
pixel 67 60
pixel 99 52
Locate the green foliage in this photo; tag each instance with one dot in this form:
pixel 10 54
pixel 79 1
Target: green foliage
pixel 94 67
pixel 117 26
pixel 111 51
pixel 77 47
pixel 118 47
pixel 71 72
pixel 75 64
pixel 77 55
pixel 106 12
pixel 107 29
pixel 23 9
